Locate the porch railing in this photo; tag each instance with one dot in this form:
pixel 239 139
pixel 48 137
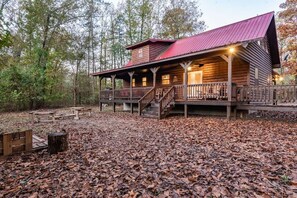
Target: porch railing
pixel 124 94
pixel 146 99
pixel 166 100
pixel 178 92
pixel 106 95
pixel 216 90
pixel 268 94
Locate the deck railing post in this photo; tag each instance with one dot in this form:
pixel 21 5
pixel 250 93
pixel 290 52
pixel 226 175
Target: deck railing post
pixel 186 66
pixel 131 90
pixel 113 91
pixel 100 103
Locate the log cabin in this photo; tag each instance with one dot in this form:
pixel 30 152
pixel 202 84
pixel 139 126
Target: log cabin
pixel 230 67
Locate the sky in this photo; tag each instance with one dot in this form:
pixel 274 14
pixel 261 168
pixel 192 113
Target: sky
pixel 218 13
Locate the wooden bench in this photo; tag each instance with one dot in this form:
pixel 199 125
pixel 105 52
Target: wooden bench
pixel 45 116
pixel 80 111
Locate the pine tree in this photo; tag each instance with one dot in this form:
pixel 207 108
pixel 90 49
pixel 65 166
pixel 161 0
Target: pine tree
pixel 179 20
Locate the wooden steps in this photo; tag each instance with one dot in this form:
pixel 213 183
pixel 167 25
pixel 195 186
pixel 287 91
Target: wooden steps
pixel 152 110
pixel 150 106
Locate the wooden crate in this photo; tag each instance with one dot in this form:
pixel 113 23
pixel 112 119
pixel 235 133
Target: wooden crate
pixel 15 142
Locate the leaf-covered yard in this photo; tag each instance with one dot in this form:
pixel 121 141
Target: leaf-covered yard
pixel 123 155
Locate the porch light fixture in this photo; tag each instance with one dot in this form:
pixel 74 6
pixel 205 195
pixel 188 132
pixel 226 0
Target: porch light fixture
pixel 281 78
pixel 231 50
pixel 189 68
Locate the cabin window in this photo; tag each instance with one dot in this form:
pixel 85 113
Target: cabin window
pixel 133 82
pixel 256 73
pixel 140 53
pixel 166 79
pixel 144 81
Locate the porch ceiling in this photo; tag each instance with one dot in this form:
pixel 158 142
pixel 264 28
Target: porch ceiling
pixel 161 63
pixel 198 59
pixel 213 57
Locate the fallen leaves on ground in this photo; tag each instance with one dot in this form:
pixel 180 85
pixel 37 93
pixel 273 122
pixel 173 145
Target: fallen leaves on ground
pixel 123 155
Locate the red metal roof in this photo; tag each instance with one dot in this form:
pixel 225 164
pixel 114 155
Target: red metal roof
pixel 247 30
pixel 243 31
pixel 129 64
pixel 239 32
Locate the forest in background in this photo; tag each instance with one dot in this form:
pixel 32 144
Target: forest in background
pixel 48 48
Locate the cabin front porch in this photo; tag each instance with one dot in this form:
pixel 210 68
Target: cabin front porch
pixel 202 80
pixel 217 79
pixel 162 99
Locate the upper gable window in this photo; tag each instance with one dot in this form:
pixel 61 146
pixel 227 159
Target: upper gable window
pixel 140 53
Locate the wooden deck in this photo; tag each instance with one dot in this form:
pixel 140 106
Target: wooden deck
pixel 270 97
pixel 38 143
pixel 198 94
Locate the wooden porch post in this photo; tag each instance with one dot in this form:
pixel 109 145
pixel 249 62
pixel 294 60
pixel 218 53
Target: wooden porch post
pixel 154 70
pixel 131 90
pixel 100 103
pixel 229 85
pixel 228 112
pixel 229 60
pixel 113 91
pixel 186 66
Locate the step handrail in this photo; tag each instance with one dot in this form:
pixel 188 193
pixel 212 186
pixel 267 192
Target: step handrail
pixel 146 100
pixel 166 100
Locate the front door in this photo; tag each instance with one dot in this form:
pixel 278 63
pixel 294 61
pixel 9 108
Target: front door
pixel 194 78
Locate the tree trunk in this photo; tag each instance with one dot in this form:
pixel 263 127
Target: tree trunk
pixel 57 142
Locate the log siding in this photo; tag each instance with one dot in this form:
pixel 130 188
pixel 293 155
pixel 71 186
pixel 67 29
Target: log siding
pixel 145 55
pixel 211 72
pixel 257 57
pixel 149 52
